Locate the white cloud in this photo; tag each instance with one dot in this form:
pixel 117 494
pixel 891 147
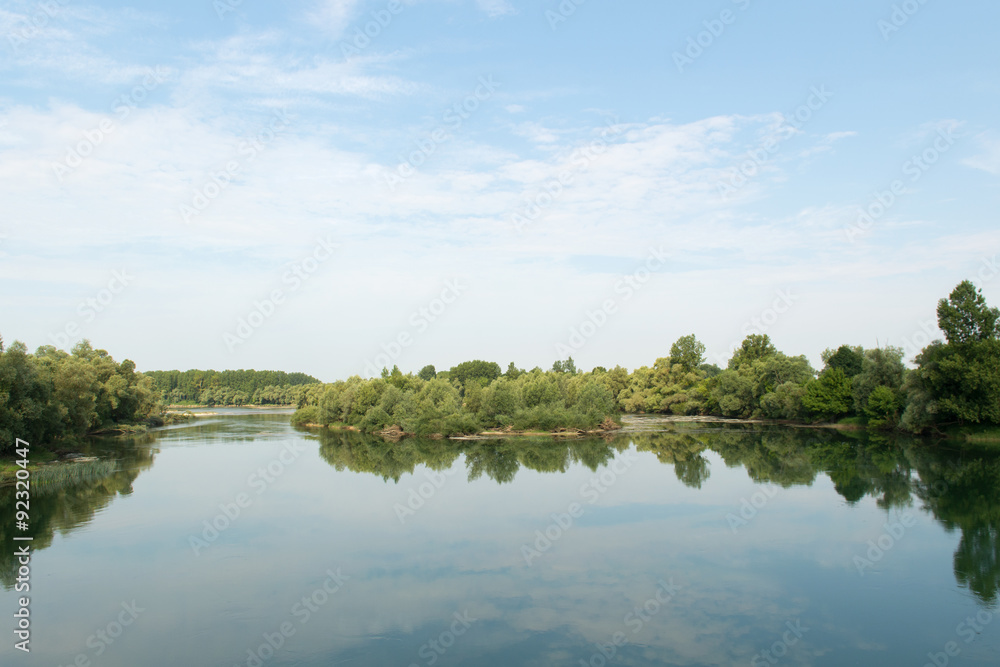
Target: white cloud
pixel 496 8
pixel 333 16
pixel 643 184
pixel 989 156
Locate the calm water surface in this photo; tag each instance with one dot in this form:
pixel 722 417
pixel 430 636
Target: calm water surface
pixel 678 544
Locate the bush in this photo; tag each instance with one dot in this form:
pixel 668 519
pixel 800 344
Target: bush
pixel 461 424
pixel 375 419
pixel 306 415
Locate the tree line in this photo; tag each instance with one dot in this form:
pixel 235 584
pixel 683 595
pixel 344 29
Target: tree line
pixel 956 383
pixel 239 387
pixel 467 399
pixel 52 395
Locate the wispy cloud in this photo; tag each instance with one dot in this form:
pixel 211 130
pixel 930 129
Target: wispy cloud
pixel 989 155
pixel 333 16
pixel 496 8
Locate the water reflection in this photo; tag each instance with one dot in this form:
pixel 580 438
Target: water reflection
pixel 959 487
pixel 463 551
pixel 67 496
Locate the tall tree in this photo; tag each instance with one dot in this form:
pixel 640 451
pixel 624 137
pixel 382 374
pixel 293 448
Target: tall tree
pixel 964 316
pixel 687 351
pixel 753 348
pixel 846 358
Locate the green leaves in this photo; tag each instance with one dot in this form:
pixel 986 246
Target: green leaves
pixel 830 395
pixel 52 394
pixel 687 351
pixel 964 316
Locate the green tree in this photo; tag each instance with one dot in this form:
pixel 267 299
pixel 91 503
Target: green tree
pixel 427 373
pixel 76 389
pixel 964 316
pixel 753 348
pixel 25 394
pixel 882 407
pixel 501 401
pixel 955 384
pixel 829 396
pixel 477 369
pixel 513 372
pixel 881 367
pixel 785 402
pixel 567 366
pixel 687 351
pixel 846 358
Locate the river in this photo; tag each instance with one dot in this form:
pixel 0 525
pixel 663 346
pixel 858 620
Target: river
pixel 238 540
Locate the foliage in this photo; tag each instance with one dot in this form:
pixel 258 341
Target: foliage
pixel 306 415
pixel 881 367
pixel 957 382
pixel 53 394
pixel 567 366
pixel 523 400
pixel 756 370
pixel 240 387
pixel 687 351
pixel 882 407
pixel 754 348
pixel 848 359
pixel 964 316
pixel 474 370
pixel 829 396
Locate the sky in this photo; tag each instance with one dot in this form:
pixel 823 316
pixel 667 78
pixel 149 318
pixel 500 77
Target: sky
pixel 333 186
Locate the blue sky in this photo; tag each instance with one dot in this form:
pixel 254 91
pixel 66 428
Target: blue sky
pixel 491 178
